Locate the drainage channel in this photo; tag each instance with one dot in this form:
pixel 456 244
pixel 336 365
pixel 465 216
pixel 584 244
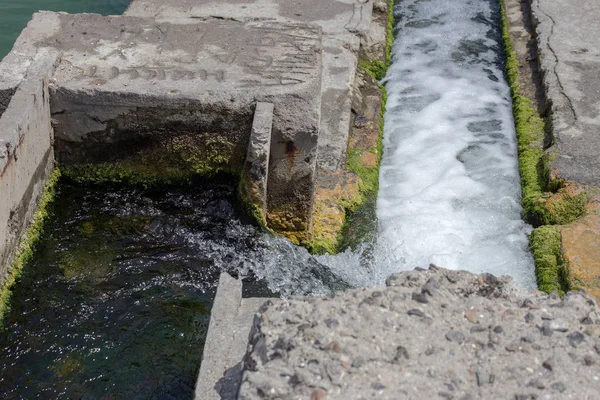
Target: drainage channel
pixel 449 183
pixel 117 299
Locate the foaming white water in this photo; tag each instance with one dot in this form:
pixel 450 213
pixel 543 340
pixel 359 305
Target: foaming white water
pixel 449 182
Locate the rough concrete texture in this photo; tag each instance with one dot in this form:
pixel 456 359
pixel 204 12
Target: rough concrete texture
pixel 567 34
pixel 14 66
pixel 255 173
pixel 344 23
pixel 428 334
pixel 127 84
pixel 26 156
pixel 226 341
pixel 581 249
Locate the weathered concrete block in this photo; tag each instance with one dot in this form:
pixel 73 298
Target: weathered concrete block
pixel 348 26
pixel 182 96
pixel 255 173
pixel 14 66
pixel 571 74
pixel 226 341
pixel 26 156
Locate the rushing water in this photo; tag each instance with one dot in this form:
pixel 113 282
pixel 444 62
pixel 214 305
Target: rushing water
pixel 116 301
pixel 14 14
pixel 449 183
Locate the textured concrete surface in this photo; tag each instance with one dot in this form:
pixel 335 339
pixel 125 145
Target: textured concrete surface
pixel 26 155
pixel 14 66
pixel 344 24
pixel 567 34
pixel 429 334
pixel 581 249
pixel 230 322
pixel 127 84
pixel 255 173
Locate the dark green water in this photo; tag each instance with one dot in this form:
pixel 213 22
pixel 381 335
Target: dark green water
pixel 116 303
pixel 14 14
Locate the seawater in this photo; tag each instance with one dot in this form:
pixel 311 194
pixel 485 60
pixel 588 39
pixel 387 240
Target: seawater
pixel 116 302
pixel 15 14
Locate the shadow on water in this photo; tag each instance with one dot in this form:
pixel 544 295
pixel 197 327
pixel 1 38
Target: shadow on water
pixel 116 301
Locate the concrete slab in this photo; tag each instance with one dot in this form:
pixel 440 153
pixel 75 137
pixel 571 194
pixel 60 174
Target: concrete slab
pixel 127 84
pixel 567 34
pixel 346 17
pixel 255 173
pixel 14 66
pixel 344 23
pixel 226 342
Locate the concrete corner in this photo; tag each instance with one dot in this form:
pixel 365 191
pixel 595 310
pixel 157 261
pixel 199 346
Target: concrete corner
pixel 226 342
pixel 26 155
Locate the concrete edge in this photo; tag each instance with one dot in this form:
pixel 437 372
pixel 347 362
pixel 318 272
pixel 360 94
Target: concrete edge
pixel 226 303
pixel 255 172
pixel 226 344
pixel 26 164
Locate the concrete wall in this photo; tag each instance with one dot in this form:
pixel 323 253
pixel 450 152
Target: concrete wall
pixel 26 155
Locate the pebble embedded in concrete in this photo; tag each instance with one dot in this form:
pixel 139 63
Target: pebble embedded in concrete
pixel 381 349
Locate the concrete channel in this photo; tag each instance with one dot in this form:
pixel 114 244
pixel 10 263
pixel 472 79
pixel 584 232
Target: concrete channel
pixel 269 90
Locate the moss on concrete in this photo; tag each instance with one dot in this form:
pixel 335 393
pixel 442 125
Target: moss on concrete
pixel 545 201
pixel 368 183
pixel 551 268
pixel 28 242
pixel 565 209
pixel 174 165
pixel 124 173
pixel 348 210
pixel 378 68
pixel 250 207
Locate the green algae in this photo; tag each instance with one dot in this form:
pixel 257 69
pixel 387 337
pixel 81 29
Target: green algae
pixel 544 202
pixel 360 221
pixel 175 164
pixel 28 242
pixel 360 216
pixel 378 68
pixel 552 270
pixel 127 174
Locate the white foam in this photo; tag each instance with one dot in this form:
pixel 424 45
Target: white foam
pixel 449 183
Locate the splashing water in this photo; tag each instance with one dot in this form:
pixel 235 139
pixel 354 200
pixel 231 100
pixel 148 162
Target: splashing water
pixel 449 182
pixel 123 281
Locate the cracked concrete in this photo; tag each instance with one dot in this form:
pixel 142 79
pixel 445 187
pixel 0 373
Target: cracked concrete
pixel 567 34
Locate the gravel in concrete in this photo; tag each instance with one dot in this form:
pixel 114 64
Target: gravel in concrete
pixel 476 336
